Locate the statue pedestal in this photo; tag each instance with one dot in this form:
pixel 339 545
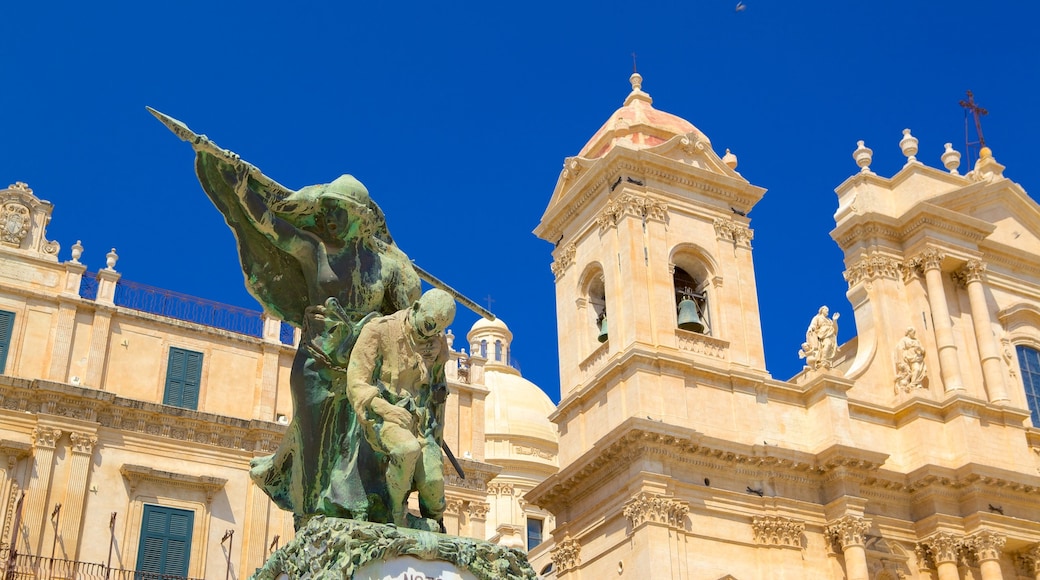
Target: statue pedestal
pixel 333 548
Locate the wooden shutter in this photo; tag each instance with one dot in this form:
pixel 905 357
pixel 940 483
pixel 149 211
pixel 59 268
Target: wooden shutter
pixel 165 546
pixel 183 375
pixel 6 329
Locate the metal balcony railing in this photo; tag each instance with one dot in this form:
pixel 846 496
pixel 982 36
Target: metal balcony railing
pixel 29 567
pixel 145 298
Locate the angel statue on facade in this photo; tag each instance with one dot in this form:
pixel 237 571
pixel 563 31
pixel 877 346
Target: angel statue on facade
pixel 322 259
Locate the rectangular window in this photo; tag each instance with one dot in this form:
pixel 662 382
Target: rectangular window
pixel 6 329
pixel 1029 361
pixel 534 532
pixel 183 375
pixel 165 546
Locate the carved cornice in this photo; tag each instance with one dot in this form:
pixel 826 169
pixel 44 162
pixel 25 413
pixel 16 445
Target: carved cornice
pixel 45 437
pixel 137 474
pixel 647 507
pixel 871 267
pixel 631 204
pixel 848 531
pixel 940 547
pixel 777 531
pixel 732 231
pixel 83 442
pixel 985 545
pixel 566 555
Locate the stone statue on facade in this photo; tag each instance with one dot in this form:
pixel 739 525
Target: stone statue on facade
pixel 367 381
pixel 910 366
pixel 821 340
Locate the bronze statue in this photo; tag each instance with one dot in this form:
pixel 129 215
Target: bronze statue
pixel 322 259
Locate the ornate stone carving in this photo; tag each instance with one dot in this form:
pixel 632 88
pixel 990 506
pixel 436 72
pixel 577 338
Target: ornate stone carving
pixel 821 340
pixel 702 344
pixel 731 231
pixel 1029 559
pixel 872 267
pixel 777 531
pixel 478 509
pixel 45 437
pixel 83 442
pixel 563 261
pixel 566 555
pixel 940 547
pixel 500 489
pixel 929 259
pixel 630 204
pixel 647 507
pixel 453 506
pixel 15 220
pixel 910 366
pixel 985 544
pixel 971 272
pixel 848 531
pixel 571 169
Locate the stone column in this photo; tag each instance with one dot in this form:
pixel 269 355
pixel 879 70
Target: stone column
pixel 34 509
pixel 63 327
pixel 256 541
pixel 943 548
pixel 930 261
pixel 989 350
pixel 271 349
pixel 986 546
pixel 72 510
pixel 1030 561
pixel 849 533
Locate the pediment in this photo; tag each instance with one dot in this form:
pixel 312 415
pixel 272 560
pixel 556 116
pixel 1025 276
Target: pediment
pixel 1014 215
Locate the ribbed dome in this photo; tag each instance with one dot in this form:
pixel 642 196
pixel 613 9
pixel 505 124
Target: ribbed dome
pixel 517 407
pixel 637 124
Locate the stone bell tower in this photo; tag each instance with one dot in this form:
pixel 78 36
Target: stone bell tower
pixel 646 216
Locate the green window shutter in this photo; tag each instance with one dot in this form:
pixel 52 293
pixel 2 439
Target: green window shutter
pixel 183 375
pixel 165 546
pixel 6 329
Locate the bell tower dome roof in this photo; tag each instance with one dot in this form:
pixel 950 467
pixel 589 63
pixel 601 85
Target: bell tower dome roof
pixel 638 124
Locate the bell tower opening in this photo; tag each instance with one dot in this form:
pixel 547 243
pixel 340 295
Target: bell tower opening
pixel 691 302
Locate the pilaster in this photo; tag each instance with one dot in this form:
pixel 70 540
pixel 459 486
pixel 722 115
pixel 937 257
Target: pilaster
pixel 99 339
pixel 34 510
pixel 72 508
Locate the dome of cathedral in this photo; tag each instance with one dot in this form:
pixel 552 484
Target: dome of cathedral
pixel 637 124
pixel 514 407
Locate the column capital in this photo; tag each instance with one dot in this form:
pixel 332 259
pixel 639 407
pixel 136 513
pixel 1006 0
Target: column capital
pixel 848 531
pixel 985 544
pixel 649 507
pixel 1029 559
pixel 566 555
pixel 928 259
pixel 777 531
pixel 83 442
pixel 942 547
pixel 971 272
pixel 45 437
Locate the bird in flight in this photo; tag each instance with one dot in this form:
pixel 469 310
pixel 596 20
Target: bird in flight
pixel 741 6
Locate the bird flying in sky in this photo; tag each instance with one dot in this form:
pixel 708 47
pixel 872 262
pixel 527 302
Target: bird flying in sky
pixel 741 6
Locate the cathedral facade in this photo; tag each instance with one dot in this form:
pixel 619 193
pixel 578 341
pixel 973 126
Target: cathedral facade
pixel 907 452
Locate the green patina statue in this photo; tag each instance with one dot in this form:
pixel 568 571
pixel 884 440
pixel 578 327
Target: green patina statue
pixel 321 258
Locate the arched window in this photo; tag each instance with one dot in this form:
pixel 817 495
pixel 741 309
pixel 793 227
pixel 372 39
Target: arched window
pixel 691 302
pixel 498 350
pixel 1029 361
pixel 483 349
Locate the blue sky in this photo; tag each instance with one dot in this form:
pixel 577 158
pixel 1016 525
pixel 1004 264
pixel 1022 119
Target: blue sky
pixel 457 117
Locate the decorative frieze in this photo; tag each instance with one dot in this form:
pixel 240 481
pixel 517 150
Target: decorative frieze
pixel 563 261
pixel 566 555
pixel 777 531
pixel 631 204
pixel 848 531
pixel 731 231
pixel 647 507
pixel 872 267
pixel 702 344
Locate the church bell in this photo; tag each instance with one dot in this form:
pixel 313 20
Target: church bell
pixel 689 319
pixel 602 328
